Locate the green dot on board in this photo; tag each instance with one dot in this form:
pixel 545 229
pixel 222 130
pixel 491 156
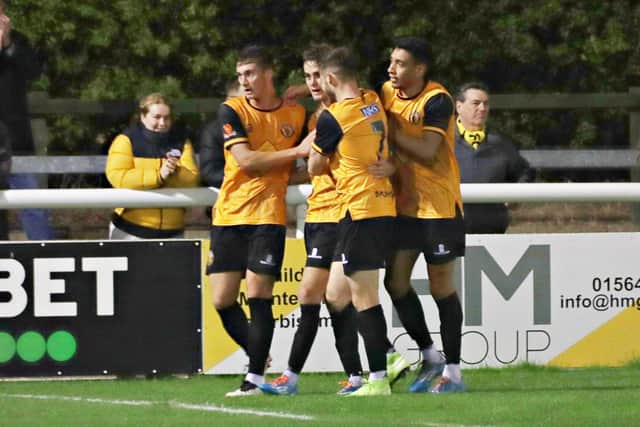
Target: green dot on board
pixel 7 347
pixel 31 346
pixel 61 346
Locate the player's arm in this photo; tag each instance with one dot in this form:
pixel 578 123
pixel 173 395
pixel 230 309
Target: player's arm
pixel 296 92
pixel 299 173
pixel 328 136
pixel 254 163
pixel 423 149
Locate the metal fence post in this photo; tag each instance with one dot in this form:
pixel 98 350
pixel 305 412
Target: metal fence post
pixel 634 143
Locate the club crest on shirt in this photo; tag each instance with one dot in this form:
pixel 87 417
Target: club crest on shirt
pixel 414 118
pixel 228 131
pixel 287 130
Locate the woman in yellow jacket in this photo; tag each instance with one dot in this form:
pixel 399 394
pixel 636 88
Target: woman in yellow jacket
pixel 149 155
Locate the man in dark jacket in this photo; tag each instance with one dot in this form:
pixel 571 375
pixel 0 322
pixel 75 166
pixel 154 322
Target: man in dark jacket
pixel 484 156
pixel 19 65
pixel 211 146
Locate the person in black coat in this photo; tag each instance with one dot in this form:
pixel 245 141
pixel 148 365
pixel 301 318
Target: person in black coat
pixel 484 156
pixel 19 66
pixel 211 150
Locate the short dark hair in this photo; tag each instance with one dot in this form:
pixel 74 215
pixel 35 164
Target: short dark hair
pixel 462 90
pixel 256 54
pixel 343 60
pixel 316 52
pixel 417 47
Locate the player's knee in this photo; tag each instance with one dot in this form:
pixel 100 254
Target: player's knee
pixel 222 300
pixel 337 301
pixel 310 293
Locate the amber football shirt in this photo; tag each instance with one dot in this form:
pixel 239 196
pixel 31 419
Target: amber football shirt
pixel 426 191
pixel 244 199
pixel 354 132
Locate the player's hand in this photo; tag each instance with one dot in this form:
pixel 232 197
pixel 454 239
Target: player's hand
pixel 304 147
pixel 293 93
pixel 169 166
pixel 381 168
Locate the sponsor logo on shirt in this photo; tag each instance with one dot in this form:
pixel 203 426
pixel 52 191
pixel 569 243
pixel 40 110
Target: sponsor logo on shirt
pixel 370 110
pixel 227 131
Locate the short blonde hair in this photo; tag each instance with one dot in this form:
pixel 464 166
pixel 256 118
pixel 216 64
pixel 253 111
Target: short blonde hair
pixel 151 99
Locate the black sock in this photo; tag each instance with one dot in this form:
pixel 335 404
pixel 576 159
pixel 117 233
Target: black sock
pixel 236 324
pixel 304 337
pixel 260 333
pixel 450 311
pixel 373 328
pixel 345 330
pixel 411 315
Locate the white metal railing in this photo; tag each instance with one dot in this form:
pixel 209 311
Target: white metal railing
pixel 296 195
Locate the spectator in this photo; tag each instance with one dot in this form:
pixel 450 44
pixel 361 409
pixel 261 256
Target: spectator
pixel 211 145
pixel 19 65
pixel 5 170
pixel 149 155
pixel 484 156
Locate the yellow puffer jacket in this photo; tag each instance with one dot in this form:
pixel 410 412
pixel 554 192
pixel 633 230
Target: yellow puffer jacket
pixel 134 162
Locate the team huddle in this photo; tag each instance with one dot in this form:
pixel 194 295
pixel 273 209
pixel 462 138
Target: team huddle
pixel 386 188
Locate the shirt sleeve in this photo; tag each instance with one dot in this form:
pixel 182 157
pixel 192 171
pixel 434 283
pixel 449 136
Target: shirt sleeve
pixel 328 134
pixel 438 112
pixel 233 132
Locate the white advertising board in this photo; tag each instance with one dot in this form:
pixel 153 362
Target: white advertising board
pixel 550 299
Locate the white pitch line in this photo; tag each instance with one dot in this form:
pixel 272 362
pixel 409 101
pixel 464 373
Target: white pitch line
pixel 173 404
pixel 215 408
pixel 428 424
pixel 81 399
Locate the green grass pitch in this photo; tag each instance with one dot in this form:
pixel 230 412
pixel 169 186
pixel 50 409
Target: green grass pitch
pixel 514 396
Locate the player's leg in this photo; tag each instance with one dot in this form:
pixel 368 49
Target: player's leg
pixel 447 243
pixel 397 280
pixel 265 254
pixel 224 291
pixel 373 328
pixel 345 329
pixel 450 312
pixel 310 294
pixel 320 241
pixel 226 268
pixel 363 246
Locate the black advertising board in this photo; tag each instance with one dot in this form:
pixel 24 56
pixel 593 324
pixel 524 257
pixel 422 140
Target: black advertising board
pixel 100 307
